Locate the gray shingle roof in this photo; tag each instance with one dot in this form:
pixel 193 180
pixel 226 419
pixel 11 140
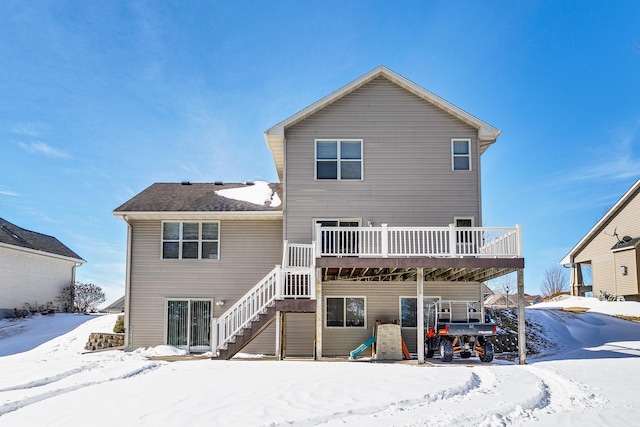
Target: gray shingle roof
pixel 626 242
pixel 13 235
pixel 192 197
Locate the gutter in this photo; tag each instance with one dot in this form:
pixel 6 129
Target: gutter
pixel 127 288
pixel 43 253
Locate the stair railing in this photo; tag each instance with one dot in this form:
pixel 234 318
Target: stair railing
pixel 295 280
pixel 254 302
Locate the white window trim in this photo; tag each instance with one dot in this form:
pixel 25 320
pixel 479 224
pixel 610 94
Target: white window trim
pixel 344 297
pixel 453 156
pixel 456 218
pixel 166 314
pixel 338 140
pixel 338 220
pixel 412 296
pixel 180 240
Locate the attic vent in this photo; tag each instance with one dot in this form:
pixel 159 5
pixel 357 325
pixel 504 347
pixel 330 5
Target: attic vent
pixel 218 183
pixel 626 239
pixel 249 183
pixel 186 183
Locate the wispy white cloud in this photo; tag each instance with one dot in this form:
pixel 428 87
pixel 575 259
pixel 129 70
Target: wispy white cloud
pixel 45 149
pixel 28 129
pixel 192 171
pixel 615 160
pixel 9 193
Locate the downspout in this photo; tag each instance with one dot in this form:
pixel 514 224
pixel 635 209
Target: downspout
pixel 284 193
pixel 73 271
pixel 479 172
pixel 73 282
pixel 127 289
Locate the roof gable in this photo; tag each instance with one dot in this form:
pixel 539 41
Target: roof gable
pixel 275 136
pixel 12 235
pixel 606 219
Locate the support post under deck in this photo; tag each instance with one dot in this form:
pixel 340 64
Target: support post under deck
pixel 420 306
pixel 318 349
pixel 522 338
pixel 280 335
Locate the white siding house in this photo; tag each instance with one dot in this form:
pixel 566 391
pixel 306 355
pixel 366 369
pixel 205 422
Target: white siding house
pixel 33 269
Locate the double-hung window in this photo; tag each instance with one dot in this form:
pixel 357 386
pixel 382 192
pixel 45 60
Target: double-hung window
pixel 339 159
pixel 190 240
pixel 345 312
pixel 461 154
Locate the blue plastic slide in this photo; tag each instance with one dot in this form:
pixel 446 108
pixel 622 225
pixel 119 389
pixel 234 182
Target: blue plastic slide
pixel 362 347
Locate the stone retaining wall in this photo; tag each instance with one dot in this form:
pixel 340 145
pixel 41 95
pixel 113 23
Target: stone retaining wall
pixel 102 341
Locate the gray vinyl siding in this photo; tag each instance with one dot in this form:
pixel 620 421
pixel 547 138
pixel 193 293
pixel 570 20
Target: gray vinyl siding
pixel 407 173
pixel 605 266
pixel 249 250
pixel 383 303
pixel 299 337
pixel 31 278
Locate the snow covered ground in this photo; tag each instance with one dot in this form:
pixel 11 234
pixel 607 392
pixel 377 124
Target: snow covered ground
pixel 587 377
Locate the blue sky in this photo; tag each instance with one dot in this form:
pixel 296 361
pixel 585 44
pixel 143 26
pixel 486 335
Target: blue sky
pixel 98 100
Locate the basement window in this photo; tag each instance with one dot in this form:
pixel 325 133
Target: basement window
pixel 345 312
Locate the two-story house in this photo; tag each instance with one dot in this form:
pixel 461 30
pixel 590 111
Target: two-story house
pixel 378 206
pixel 34 269
pixel 606 261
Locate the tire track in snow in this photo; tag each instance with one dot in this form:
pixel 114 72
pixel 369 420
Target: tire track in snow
pixel 474 383
pixel 552 393
pixel 52 379
pixel 486 400
pixel 24 402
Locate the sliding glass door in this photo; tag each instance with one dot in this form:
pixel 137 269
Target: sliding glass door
pixel 189 324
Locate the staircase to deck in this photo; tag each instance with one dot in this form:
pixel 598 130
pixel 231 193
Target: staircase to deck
pixel 289 288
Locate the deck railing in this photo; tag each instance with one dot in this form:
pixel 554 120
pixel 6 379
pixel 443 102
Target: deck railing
pixel 451 241
pixel 295 280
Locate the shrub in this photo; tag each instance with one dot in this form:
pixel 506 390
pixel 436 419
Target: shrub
pixel 119 326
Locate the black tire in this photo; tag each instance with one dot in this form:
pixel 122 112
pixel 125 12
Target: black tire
pixel 428 353
pixel 488 353
pixel 446 351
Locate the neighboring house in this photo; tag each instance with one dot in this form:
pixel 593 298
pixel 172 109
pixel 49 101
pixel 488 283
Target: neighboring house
pixel 501 301
pixel 33 269
pixel 532 299
pixel 115 307
pixel 607 259
pixel 378 206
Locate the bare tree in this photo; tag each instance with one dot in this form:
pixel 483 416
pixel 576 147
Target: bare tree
pixel 83 297
pixel 555 282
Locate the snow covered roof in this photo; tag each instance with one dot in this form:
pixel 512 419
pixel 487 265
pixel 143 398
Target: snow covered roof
pixel 12 235
pixel 249 200
pixel 275 136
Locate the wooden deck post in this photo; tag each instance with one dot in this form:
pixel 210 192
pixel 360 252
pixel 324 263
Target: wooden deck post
pixel 522 339
pixel 319 322
pixel 279 328
pixel 420 320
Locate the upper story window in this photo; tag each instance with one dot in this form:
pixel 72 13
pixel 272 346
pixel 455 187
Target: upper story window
pixel 339 159
pixel 190 240
pixel 461 154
